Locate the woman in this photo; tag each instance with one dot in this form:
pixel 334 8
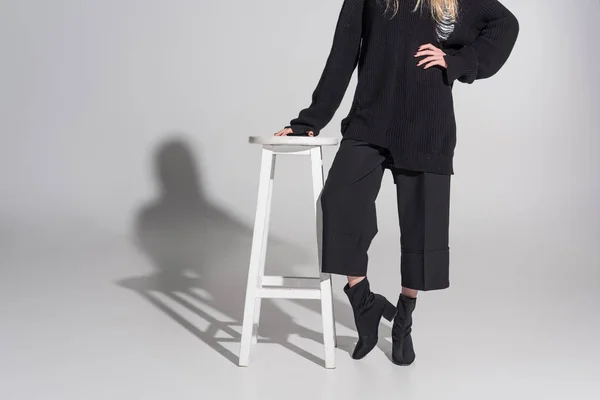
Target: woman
pixel 402 119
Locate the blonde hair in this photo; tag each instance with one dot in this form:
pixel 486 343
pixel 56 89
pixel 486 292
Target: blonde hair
pixel 442 11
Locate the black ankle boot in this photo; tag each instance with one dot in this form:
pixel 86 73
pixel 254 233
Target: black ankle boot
pixel 368 309
pixel 403 352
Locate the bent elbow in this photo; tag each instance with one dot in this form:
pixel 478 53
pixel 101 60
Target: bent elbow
pixel 513 27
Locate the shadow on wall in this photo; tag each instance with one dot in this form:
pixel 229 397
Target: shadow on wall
pixel 200 255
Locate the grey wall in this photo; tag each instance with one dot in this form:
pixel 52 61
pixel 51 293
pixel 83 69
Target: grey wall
pixel 91 90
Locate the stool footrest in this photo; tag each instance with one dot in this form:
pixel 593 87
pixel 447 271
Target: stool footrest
pixel 279 281
pixel 285 293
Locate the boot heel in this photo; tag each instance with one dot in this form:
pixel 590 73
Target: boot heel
pixel 389 311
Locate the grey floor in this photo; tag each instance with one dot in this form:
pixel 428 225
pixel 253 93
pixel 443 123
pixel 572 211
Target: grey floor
pixel 91 315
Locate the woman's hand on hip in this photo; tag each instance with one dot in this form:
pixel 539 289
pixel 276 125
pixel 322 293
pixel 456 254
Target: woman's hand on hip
pixel 287 131
pixel 433 56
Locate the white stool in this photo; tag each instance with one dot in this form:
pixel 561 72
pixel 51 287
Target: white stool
pixel 260 286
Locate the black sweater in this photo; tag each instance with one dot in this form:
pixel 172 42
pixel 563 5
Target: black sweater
pixel 397 105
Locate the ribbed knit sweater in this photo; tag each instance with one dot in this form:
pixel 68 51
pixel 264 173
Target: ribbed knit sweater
pixel 397 104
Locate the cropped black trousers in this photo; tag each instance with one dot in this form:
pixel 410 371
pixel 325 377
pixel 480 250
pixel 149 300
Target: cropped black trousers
pixel 350 219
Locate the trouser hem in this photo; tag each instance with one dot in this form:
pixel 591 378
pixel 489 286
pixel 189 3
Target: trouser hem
pixel 425 270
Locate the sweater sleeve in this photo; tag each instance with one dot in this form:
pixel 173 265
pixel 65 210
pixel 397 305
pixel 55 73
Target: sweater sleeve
pixel 340 65
pixel 488 53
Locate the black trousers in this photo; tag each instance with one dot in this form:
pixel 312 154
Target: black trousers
pixel 350 219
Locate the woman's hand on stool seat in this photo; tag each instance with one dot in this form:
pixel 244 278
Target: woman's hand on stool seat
pixel 287 131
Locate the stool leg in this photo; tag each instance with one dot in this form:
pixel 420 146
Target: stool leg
pixel 263 254
pixel 258 239
pixel 329 336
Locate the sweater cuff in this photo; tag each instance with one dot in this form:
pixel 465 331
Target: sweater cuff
pixel 302 130
pixel 462 65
